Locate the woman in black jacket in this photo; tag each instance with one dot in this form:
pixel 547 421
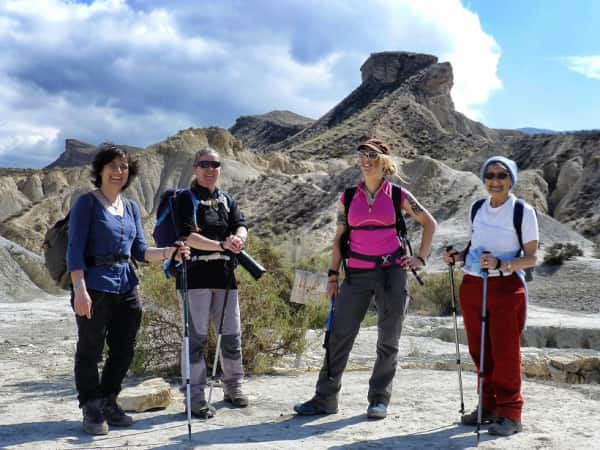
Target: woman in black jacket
pixel 212 225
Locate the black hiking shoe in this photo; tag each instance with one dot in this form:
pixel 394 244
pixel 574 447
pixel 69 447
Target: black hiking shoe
pixel 470 419
pixel 314 407
pixel 93 420
pixel 113 413
pixel 236 399
pixel 505 427
pixel 203 410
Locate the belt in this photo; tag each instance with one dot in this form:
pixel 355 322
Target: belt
pixel 210 257
pixel 106 260
pixel 390 258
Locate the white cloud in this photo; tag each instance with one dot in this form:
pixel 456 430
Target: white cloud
pixel 136 72
pixel 588 66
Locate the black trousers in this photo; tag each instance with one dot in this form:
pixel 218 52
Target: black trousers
pixel 115 320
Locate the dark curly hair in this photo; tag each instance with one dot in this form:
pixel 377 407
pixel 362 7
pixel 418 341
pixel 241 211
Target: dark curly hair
pixel 107 151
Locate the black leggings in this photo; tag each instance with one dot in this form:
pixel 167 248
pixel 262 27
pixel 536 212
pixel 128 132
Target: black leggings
pixel 115 319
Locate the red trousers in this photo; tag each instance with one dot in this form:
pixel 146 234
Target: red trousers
pixel 506 305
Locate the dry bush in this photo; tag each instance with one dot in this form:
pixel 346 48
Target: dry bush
pixel 271 326
pixel 559 253
pixel 435 297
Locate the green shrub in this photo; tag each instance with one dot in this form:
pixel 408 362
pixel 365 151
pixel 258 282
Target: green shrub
pixel 559 253
pixel 271 326
pixel 434 298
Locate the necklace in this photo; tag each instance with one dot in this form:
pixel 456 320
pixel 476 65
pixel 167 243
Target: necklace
pixel 109 204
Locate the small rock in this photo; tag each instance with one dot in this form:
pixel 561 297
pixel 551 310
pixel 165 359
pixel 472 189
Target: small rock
pixel 151 394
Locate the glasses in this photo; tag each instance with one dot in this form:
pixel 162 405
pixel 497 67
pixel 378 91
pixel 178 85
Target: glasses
pixel 497 175
pixel 116 166
pixel 207 164
pixel 370 154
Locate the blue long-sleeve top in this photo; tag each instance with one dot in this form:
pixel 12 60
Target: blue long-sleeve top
pixel 93 232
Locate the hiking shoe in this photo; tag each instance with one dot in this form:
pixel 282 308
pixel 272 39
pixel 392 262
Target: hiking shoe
pixel 505 427
pixel 93 420
pixel 113 413
pixel 314 407
pixel 236 399
pixel 470 419
pixel 203 410
pixel 376 410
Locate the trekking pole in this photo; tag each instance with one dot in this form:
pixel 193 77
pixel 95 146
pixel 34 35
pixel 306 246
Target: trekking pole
pixel 484 275
pixel 410 253
pixel 454 312
pixel 219 335
pixel 186 345
pixel 327 333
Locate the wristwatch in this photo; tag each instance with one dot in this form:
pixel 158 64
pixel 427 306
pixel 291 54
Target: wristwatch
pixel 78 285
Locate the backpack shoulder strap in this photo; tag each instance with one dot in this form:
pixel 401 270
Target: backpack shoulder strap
pixel 476 207
pixel 518 221
pixel 348 196
pixel 397 200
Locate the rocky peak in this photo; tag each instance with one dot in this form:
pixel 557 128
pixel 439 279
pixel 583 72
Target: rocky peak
pixel 79 153
pixel 394 67
pixel 259 131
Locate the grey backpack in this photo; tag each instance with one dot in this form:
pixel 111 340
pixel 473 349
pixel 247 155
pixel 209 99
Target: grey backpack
pixel 55 252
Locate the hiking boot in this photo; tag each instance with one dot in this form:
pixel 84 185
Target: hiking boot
pixel 505 427
pixel 470 419
pixel 203 410
pixel 113 413
pixel 93 421
pixel 376 410
pixel 314 407
pixel 236 399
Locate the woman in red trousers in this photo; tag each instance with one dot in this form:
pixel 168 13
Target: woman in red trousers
pixel 495 246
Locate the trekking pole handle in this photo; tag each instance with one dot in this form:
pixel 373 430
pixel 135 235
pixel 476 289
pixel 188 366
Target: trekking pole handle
pixel 486 270
pixel 449 248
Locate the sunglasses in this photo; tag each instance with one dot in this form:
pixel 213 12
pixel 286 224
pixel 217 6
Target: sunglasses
pixel 368 154
pixel 207 164
pixel 498 175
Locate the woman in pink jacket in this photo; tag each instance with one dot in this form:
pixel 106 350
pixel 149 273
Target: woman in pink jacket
pixel 375 263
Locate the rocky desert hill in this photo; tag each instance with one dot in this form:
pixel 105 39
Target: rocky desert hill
pixel 258 132
pixel 288 171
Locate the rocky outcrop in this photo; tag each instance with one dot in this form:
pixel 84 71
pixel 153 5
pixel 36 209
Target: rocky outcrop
pixel 261 131
pixel 79 153
pixel 570 163
pixel 405 100
pixel 31 201
pixel 394 67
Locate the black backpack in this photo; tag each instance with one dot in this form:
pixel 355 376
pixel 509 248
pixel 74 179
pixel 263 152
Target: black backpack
pixel 517 223
pixel 400 224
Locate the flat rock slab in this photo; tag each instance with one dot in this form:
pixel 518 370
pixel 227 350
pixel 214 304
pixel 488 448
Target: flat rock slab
pixel 154 393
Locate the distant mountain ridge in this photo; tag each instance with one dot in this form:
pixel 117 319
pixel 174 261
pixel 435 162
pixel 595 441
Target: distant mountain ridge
pixel 289 180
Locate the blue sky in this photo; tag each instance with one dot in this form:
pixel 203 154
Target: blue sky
pixel 549 64
pixel 138 71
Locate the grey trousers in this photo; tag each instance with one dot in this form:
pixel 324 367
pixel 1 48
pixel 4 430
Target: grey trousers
pixel 206 306
pixel 350 308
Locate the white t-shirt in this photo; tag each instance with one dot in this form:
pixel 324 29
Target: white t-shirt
pixel 493 231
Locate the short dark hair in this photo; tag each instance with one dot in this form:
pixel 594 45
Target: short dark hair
pixel 107 151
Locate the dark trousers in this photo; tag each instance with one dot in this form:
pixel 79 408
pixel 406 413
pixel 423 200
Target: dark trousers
pixel 506 308
pixel 350 308
pixel 115 320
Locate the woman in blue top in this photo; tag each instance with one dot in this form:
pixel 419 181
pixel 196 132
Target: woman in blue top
pixel 105 232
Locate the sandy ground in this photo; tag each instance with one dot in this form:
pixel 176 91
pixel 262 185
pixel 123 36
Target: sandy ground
pixel 38 407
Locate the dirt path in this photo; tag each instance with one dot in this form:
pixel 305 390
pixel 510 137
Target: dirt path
pixel 38 408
